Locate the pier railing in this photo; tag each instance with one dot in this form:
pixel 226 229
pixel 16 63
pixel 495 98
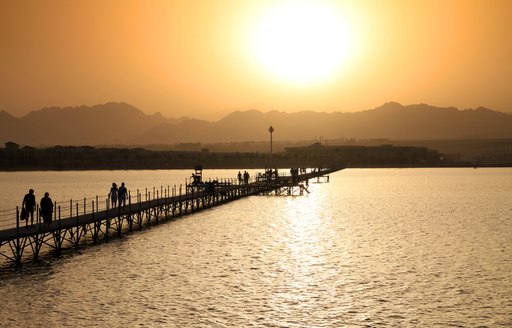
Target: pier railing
pixel 10 218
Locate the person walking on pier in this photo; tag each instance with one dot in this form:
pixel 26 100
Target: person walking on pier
pixel 121 193
pixel 29 205
pixel 246 177
pixel 46 207
pixel 295 173
pixel 240 178
pixel 113 195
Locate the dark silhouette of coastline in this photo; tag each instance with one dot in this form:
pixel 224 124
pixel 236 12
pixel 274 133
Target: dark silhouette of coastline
pixel 15 158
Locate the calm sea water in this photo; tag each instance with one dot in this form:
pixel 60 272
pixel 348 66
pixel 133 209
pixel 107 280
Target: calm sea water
pixel 372 248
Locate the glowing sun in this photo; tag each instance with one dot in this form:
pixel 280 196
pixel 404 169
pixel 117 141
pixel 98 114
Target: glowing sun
pixel 302 42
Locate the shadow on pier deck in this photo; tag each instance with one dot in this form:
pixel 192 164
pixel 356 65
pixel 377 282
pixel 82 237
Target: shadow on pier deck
pixel 73 225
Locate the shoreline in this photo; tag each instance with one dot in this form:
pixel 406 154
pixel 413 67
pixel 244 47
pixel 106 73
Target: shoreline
pixel 405 166
pixel 317 155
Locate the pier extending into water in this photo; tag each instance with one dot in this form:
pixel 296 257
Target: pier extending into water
pixel 76 223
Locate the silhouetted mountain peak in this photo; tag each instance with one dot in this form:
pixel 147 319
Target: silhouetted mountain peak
pixel 484 109
pixel 390 106
pixel 158 115
pixel 244 113
pixel 5 115
pixel 414 108
pixel 110 123
pixel 110 109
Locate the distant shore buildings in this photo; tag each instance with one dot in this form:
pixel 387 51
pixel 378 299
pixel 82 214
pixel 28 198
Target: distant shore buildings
pixel 16 158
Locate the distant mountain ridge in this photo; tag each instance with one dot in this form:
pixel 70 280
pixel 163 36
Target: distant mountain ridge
pixel 111 123
pixel 123 124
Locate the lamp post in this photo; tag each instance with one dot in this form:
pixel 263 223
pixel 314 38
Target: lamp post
pixel 271 130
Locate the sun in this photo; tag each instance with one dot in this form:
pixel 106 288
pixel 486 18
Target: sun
pixel 302 42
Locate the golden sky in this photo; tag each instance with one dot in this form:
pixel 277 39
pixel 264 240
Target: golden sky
pixel 205 58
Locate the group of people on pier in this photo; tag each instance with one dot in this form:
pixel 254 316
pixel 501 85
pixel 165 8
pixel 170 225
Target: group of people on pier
pixel 118 194
pixel 46 207
pixel 243 178
pixel 28 208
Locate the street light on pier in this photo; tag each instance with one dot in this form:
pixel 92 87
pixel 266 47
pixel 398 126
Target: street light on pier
pixel 271 130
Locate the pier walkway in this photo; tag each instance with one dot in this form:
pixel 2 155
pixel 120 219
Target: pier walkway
pixel 76 223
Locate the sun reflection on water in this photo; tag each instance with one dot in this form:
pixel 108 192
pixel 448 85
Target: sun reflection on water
pixel 308 239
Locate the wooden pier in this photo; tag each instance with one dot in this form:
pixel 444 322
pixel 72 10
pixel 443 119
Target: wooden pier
pixel 75 224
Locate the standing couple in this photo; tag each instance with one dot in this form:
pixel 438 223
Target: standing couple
pixel 116 194
pixel 28 207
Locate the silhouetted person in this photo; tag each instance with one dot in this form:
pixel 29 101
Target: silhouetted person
pixel 295 173
pixel 239 178
pixel 29 205
pixel 113 194
pixel 122 193
pixel 246 177
pixel 46 207
pixel 268 174
pixel 196 178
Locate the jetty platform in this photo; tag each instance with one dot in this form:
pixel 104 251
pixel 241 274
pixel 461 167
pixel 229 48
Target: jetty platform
pixel 76 223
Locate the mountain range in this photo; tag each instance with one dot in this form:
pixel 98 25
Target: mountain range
pixel 123 124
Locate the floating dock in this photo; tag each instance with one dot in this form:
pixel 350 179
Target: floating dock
pixel 76 223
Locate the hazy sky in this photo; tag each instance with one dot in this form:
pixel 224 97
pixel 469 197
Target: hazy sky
pixel 204 58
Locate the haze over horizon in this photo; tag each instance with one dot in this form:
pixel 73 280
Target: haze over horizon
pixel 206 59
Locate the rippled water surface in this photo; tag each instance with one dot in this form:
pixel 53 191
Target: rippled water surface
pixel 372 248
